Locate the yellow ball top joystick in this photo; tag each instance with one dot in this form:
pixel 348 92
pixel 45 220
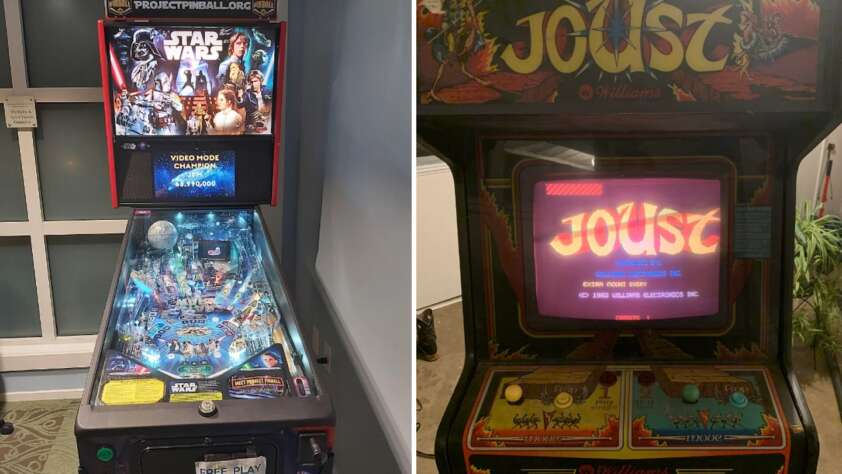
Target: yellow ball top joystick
pixel 563 400
pixel 513 393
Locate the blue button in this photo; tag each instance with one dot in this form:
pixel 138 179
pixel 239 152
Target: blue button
pixel 738 399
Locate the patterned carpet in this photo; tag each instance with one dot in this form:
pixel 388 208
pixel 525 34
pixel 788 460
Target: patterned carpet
pixel 43 441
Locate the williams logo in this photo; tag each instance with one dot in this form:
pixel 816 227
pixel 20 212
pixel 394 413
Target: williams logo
pixel 623 469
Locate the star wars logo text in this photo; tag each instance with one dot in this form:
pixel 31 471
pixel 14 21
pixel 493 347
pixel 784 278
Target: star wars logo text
pixel 193 45
pixel 184 387
pixel 619 37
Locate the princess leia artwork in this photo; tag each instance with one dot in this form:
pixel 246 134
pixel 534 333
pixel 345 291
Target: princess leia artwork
pixel 227 121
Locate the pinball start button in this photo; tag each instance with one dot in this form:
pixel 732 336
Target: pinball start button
pixel 207 408
pixel 513 393
pixel 563 401
pixel 105 454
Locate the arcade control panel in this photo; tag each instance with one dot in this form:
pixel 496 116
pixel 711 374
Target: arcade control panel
pixel 616 413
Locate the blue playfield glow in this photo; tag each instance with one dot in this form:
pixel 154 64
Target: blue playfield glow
pixel 194 317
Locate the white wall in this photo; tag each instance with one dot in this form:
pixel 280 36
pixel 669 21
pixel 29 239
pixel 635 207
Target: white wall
pixel 365 242
pixel 436 246
pixel 348 216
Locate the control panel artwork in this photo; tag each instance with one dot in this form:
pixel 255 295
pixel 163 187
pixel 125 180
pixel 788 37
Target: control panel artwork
pixel 703 406
pixel 550 407
pixel 611 408
pixel 196 316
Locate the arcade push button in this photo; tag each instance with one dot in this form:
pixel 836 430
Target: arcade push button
pixel 690 393
pixel 513 393
pixel 207 408
pixel 563 401
pixel 738 399
pixel 105 454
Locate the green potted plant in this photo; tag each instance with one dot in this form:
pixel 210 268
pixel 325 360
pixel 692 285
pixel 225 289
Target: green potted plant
pixel 817 314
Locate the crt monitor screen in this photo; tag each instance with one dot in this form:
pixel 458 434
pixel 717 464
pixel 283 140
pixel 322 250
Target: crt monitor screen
pixel 628 250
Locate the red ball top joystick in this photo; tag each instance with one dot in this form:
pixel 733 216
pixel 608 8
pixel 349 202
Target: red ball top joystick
pixel 646 378
pixel 607 380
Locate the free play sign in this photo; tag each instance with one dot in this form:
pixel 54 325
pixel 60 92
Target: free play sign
pixel 233 466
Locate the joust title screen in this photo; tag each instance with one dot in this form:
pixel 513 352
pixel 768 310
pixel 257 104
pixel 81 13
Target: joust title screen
pixel 176 81
pixel 627 249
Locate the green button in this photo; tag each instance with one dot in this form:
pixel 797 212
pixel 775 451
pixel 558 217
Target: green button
pixel 690 393
pixel 105 454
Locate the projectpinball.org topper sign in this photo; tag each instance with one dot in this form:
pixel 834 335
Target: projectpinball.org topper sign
pixel 255 9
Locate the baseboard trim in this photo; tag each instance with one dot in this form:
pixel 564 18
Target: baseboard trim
pixel 37 395
pixel 441 304
pixel 25 354
pixel 432 168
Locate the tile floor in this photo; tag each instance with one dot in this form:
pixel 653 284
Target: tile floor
pixel 437 379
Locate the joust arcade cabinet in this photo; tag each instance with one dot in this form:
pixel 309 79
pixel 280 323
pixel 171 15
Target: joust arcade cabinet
pixel 625 183
pixel 199 366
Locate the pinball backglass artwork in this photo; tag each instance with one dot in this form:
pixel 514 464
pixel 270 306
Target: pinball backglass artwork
pixel 192 80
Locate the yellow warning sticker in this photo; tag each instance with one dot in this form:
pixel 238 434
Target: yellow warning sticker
pixel 132 391
pixel 195 397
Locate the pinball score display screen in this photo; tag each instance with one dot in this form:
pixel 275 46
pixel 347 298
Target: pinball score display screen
pixel 629 250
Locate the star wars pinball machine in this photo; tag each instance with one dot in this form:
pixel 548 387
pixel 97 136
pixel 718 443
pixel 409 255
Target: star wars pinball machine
pixel 199 365
pixel 625 187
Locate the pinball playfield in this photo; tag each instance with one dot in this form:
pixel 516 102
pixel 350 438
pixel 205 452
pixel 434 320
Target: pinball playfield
pixel 196 317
